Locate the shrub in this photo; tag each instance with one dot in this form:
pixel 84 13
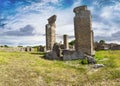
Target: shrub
pixel 84 61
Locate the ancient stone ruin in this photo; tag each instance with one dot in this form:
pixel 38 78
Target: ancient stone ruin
pixel 83 30
pixel 83 38
pixel 41 48
pixel 28 49
pixel 17 49
pixel 50 33
pixel 65 40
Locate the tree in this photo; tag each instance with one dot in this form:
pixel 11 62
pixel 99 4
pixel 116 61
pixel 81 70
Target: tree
pixel 102 41
pixel 72 43
pixel 5 46
pixel 19 46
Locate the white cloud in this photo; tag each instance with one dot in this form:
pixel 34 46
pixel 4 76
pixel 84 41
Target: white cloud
pixel 107 24
pixel 52 1
pixel 25 41
pixel 37 14
pixel 38 20
pixel 110 12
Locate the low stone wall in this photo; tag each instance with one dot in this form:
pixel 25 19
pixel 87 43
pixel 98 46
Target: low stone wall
pixel 52 55
pixel 65 55
pixel 72 55
pixel 11 49
pixel 16 49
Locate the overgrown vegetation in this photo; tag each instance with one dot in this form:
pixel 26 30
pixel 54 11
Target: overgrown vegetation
pixel 72 43
pixel 29 69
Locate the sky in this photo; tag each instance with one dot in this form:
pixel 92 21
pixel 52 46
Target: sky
pixel 22 22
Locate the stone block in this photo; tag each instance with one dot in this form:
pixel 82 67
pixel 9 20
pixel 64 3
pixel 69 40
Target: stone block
pixel 72 55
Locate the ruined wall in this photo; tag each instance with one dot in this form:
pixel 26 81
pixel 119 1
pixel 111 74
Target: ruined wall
pixel 50 32
pixel 83 31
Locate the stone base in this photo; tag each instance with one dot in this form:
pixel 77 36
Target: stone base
pixel 67 55
pixel 52 56
pixel 72 55
pixel 93 53
pixel 90 59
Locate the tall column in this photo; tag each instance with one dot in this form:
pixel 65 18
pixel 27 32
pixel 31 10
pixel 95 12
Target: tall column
pixel 65 39
pixel 50 32
pixel 83 30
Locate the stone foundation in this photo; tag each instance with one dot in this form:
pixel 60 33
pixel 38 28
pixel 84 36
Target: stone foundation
pixel 52 55
pixel 65 55
pixel 72 55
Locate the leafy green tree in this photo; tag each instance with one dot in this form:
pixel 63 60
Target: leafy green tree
pixel 5 46
pixel 19 46
pixel 1 46
pixel 72 43
pixel 102 41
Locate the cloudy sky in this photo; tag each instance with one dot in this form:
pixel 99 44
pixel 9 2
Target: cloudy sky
pixel 22 22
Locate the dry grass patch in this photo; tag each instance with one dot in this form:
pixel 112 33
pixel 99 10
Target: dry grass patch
pixel 29 69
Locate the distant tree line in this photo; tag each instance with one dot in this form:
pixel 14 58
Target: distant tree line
pixel 73 42
pixel 4 46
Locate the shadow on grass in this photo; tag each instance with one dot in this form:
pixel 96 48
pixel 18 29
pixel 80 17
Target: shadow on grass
pixel 41 54
pixel 38 53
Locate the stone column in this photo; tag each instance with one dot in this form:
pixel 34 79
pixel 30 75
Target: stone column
pixel 65 40
pixel 83 30
pixel 50 32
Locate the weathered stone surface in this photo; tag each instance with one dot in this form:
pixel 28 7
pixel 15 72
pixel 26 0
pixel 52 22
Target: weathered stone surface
pixel 72 47
pixel 28 49
pixel 62 46
pixel 52 55
pixel 57 49
pixel 21 49
pixel 50 33
pixel 70 55
pixel 55 54
pixel 41 49
pixel 83 38
pixel 98 65
pixel 83 31
pixel 52 20
pixel 90 59
pixel 117 47
pixel 65 40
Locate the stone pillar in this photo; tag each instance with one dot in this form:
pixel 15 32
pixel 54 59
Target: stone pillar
pixel 83 30
pixel 65 40
pixel 50 32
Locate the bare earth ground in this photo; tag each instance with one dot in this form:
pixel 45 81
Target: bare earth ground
pixel 29 69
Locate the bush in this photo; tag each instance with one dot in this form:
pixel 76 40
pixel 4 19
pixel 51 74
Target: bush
pixel 84 61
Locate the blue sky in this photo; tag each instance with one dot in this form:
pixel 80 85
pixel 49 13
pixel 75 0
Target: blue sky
pixel 22 22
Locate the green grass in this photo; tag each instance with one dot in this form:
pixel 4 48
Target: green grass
pixel 30 69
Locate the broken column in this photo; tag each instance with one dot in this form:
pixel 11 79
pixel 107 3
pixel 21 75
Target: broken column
pixel 65 39
pixel 50 32
pixel 83 30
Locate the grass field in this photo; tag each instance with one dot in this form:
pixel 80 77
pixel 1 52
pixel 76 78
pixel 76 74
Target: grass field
pixel 29 69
